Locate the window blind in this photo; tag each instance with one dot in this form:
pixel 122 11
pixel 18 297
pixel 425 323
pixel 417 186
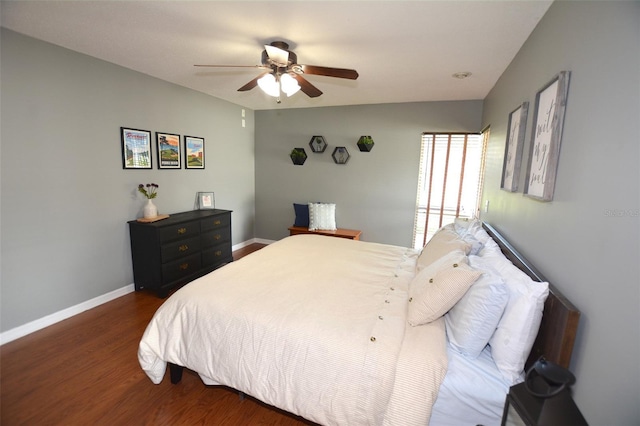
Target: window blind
pixel 449 181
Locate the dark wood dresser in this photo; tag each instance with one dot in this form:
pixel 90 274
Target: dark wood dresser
pixel 179 249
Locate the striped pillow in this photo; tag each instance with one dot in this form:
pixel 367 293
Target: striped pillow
pixel 441 289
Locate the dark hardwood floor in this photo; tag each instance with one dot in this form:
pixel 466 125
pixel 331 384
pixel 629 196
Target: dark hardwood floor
pixel 85 371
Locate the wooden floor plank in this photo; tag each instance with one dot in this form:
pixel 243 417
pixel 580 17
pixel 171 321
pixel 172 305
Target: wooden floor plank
pixel 85 371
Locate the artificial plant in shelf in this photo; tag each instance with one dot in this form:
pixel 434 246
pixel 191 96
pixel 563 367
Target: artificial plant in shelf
pixel 365 143
pixel 298 156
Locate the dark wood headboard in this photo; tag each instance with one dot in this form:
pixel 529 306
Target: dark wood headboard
pixel 560 318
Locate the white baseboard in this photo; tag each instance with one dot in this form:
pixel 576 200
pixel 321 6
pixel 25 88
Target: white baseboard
pixel 251 241
pixel 28 328
pixel 23 330
pixel 263 241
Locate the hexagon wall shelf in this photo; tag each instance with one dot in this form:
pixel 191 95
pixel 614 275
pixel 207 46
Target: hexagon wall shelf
pixel 298 156
pixel 317 144
pixel 365 143
pixel 340 155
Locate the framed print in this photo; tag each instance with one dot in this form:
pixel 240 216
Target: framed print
pixel 546 135
pixel 168 149
pixel 136 148
pixel 206 200
pixel 193 152
pixel 514 145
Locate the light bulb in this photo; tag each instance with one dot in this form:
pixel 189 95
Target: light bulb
pixel 289 84
pixel 269 85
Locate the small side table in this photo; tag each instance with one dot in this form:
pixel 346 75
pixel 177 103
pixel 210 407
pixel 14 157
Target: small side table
pixel 522 408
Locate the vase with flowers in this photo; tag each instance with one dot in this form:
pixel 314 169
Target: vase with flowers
pixel 150 191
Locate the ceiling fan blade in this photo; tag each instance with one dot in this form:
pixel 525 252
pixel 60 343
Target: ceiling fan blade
pixel 278 56
pixel 330 72
pixel 308 88
pixel 253 83
pixel 230 66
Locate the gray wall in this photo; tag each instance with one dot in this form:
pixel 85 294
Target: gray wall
pixel 65 198
pixel 375 191
pixel 586 239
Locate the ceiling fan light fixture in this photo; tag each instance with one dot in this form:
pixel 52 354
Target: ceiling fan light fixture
pixel 269 85
pixel 289 84
pixel 283 73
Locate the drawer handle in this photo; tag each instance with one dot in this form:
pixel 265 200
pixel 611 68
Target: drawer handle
pixel 217 237
pixel 217 222
pixel 183 247
pixel 218 253
pixel 184 266
pixel 182 230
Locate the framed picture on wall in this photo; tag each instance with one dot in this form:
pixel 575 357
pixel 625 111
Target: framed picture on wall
pixel 546 135
pixel 514 146
pixel 136 148
pixel 193 152
pixel 168 149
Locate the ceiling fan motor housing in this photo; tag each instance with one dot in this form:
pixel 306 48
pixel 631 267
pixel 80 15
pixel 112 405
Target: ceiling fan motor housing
pixel 266 61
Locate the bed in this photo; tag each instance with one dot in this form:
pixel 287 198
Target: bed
pixel 351 332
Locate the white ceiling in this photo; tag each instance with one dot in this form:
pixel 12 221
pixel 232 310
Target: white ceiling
pixel 404 51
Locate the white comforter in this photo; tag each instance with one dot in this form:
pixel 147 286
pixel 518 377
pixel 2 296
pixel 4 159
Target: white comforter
pixel 313 325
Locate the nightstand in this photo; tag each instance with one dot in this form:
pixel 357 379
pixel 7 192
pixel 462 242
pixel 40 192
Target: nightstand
pixel 522 408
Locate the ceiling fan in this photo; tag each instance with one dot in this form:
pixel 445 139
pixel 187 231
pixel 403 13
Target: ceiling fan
pixel 283 73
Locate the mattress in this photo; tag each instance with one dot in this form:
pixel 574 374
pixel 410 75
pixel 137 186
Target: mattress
pixel 312 325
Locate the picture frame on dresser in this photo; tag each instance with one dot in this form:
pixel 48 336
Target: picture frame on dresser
pixel 168 149
pixel 206 200
pixel 136 148
pixel 194 152
pixel 546 136
pixel 513 148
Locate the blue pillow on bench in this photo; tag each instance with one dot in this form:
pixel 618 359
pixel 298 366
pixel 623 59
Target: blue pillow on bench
pixel 302 215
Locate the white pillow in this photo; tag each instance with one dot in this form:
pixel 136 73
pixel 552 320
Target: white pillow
pixel 466 230
pixel 475 228
pixel 439 289
pixel 473 320
pixel 492 249
pixel 513 339
pixel 322 217
pixel 475 244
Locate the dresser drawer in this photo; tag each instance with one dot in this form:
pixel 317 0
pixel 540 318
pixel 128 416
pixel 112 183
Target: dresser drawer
pixel 220 221
pixel 180 248
pixel 215 237
pixel 181 268
pixel 182 230
pixel 214 255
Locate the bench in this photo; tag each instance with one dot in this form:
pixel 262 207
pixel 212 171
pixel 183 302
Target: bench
pixel 352 234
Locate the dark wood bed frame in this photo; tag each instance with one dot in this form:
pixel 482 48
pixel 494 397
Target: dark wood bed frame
pixel 559 326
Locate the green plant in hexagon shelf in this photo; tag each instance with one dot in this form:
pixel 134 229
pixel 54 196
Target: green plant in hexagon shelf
pixel 365 143
pixel 298 156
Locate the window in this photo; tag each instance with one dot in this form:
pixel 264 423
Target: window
pixel 449 181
